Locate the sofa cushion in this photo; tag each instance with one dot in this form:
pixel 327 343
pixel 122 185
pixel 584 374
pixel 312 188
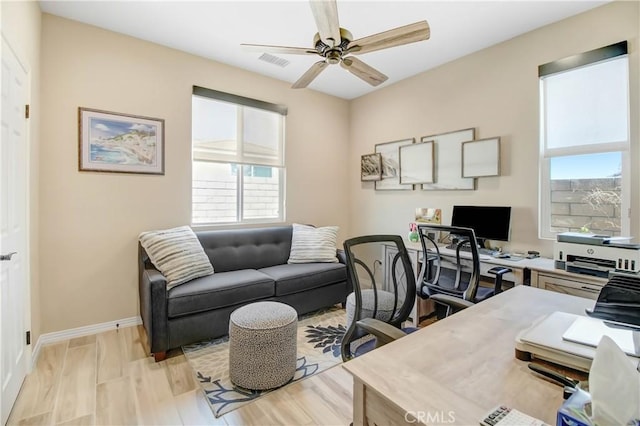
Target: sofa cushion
pixel 176 253
pixel 297 277
pixel 250 248
pixel 310 244
pixel 219 290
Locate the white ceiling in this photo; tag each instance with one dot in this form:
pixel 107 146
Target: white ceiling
pixel 215 29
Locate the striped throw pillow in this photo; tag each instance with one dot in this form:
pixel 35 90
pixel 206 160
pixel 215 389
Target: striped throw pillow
pixel 310 244
pixel 177 253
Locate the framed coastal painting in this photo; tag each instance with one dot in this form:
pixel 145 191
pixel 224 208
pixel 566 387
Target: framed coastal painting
pixel 120 143
pixel 390 155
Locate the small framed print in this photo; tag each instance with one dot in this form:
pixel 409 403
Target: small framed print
pixel 370 167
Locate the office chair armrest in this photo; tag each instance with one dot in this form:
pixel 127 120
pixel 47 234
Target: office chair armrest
pixel 385 333
pixel 498 271
pixel 453 302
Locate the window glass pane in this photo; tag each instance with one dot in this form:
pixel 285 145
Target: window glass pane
pixel 214 193
pixel 261 193
pixel 587 105
pixel 261 136
pixel 214 130
pixel 238 163
pixel 262 171
pixel 586 193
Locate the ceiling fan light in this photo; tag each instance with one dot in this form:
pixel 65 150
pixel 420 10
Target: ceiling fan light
pixel 333 56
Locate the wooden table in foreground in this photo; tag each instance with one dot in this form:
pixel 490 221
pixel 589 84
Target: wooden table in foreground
pixel 454 371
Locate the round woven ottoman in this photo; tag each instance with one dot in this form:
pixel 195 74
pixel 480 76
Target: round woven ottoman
pixel 262 345
pixel 386 301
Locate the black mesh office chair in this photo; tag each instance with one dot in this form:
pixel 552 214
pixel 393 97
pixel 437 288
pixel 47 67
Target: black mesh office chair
pixel 382 299
pixel 453 286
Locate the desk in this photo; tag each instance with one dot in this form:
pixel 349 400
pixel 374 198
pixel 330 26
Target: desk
pixel 539 272
pixel 517 277
pixel 460 367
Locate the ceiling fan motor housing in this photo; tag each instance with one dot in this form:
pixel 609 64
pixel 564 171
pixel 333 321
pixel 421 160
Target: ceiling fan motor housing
pixel 333 54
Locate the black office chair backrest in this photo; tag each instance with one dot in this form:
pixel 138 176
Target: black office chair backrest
pixel 460 282
pixel 383 280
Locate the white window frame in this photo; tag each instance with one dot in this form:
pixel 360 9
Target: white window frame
pixel 242 102
pixel 544 196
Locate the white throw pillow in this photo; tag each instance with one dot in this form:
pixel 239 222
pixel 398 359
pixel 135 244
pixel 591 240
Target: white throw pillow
pixel 310 244
pixel 177 253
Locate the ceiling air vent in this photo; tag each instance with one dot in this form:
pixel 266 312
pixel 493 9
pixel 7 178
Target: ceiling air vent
pixel 274 60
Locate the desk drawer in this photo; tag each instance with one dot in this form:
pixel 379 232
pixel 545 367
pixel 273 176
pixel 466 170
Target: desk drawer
pixel 567 286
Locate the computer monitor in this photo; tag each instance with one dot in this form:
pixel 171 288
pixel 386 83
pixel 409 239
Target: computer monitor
pixel 488 222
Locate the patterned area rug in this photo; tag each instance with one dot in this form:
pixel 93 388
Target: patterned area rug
pixel 319 338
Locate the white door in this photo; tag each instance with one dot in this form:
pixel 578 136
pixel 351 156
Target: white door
pixel 13 230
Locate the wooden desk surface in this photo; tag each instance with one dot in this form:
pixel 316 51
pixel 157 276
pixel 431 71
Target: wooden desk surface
pixel 465 364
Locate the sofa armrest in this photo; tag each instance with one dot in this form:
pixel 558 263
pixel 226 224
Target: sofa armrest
pixel 152 287
pixel 153 309
pixel 342 256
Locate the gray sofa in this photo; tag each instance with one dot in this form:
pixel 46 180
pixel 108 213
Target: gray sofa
pixel 250 265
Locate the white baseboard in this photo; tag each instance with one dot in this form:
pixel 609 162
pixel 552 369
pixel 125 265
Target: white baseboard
pixel 72 333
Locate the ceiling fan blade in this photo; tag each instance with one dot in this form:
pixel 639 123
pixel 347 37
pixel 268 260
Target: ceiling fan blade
pixel 361 70
pixel 325 13
pixel 308 76
pixel 396 37
pixel 278 49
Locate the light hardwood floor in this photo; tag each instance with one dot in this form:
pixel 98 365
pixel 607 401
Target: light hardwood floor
pixel 108 379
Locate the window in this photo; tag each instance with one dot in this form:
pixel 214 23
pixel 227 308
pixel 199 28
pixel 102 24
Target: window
pixel 584 143
pixel 238 159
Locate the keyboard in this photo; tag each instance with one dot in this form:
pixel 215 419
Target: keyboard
pixel 488 252
pixel 466 248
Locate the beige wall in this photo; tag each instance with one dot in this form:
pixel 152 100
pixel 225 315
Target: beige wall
pixel 496 92
pixel 90 221
pixel 21 29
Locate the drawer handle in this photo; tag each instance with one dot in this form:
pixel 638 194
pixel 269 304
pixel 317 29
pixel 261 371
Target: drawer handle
pixel 591 289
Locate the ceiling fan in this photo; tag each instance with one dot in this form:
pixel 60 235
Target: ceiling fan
pixel 334 44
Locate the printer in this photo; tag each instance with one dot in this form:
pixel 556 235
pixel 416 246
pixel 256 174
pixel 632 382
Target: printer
pixel 595 255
